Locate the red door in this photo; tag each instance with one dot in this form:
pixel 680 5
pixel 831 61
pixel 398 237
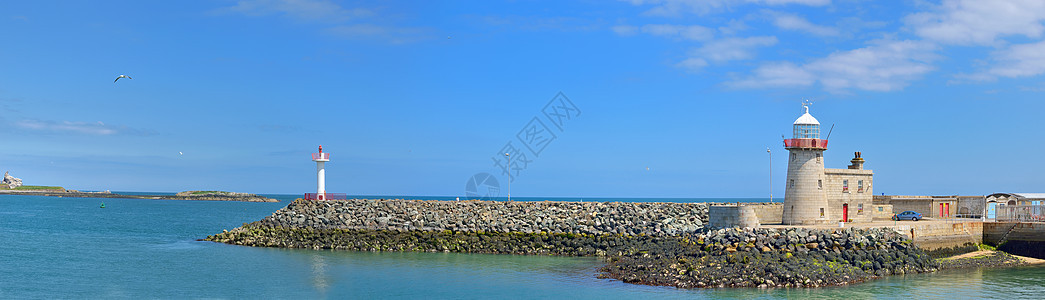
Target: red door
pixel 845 212
pixel 941 209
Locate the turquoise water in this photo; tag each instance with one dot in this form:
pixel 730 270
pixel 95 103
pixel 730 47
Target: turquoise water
pixel 70 248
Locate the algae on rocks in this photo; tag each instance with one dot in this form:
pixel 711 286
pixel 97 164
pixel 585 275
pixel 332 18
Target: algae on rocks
pixel 647 243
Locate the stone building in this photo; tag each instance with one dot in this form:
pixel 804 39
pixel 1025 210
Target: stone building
pixel 993 201
pixel 817 195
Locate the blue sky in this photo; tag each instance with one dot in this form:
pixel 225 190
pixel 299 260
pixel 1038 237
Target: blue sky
pixel 670 98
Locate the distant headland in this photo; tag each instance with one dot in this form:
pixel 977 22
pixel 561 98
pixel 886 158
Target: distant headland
pixel 13 186
pixel 56 191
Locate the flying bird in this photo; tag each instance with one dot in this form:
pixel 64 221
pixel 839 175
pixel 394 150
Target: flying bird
pixel 121 76
pixel 179 153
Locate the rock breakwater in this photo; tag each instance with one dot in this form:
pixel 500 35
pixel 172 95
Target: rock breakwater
pixel 644 243
pixel 794 257
pixel 591 218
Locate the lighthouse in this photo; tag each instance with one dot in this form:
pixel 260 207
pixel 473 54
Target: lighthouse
pixel 804 198
pixel 321 178
pixel 817 195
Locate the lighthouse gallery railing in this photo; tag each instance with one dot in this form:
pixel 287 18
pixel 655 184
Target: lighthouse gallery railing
pixel 805 143
pixel 327 195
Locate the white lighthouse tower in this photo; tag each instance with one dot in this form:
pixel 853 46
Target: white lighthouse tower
pixel 804 198
pixel 321 178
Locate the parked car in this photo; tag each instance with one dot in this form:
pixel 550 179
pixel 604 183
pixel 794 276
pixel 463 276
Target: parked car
pixel 908 215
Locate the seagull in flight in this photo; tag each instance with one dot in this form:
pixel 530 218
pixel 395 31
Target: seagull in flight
pixel 121 76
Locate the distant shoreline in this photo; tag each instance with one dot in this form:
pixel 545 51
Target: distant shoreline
pixel 180 196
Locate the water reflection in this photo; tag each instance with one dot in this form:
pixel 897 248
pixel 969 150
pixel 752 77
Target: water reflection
pixel 319 273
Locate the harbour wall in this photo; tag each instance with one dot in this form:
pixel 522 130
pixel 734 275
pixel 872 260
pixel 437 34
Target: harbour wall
pixel 613 218
pixel 593 218
pixel 1020 238
pixel 748 215
pixel 939 235
pixel 741 216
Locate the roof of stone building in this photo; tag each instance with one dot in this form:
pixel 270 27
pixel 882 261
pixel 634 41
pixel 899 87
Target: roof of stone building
pixel 1031 195
pixel 1020 195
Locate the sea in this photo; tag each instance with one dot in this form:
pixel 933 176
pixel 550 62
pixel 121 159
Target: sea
pixel 71 248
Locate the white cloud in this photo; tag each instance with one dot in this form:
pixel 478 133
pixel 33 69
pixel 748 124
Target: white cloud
pixel 701 7
pixel 625 30
pixel 1018 61
pixel 395 35
pixel 793 22
pixel 734 48
pixel 882 66
pixel 352 23
pixel 724 50
pixel 779 74
pixel 979 22
pixel 682 32
pixel 311 10
pixel 690 32
pixel 68 127
pixel 693 63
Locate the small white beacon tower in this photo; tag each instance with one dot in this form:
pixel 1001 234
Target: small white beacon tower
pixel 321 177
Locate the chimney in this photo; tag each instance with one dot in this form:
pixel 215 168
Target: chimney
pixel 858 163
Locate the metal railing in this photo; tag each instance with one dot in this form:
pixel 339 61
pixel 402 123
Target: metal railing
pixel 316 156
pixel 1020 213
pixel 325 196
pixel 805 143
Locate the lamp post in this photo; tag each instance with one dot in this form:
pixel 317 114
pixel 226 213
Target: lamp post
pixel 509 176
pixel 770 174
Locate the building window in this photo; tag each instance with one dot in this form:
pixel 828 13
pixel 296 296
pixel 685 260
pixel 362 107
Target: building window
pixel 792 183
pixel 880 209
pixel 819 184
pixel 860 209
pixel 821 212
pixel 845 186
pixel 860 186
pixel 794 156
pixel 818 157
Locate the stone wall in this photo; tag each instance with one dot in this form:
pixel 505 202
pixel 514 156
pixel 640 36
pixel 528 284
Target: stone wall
pixel 725 216
pixel 993 232
pixel 768 213
pixel 594 218
pixel 921 205
pixel 932 236
pixel 1027 239
pixel 881 212
pixel 970 206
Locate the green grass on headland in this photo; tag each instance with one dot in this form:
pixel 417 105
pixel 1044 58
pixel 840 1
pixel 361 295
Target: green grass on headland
pixel 207 192
pixel 36 188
